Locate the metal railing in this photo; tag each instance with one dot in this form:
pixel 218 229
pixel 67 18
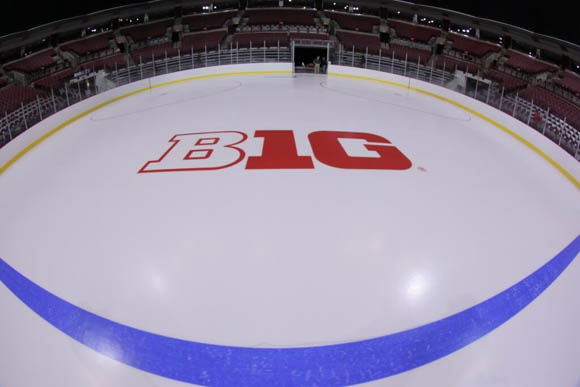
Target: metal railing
pixel 555 128
pixel 552 126
pixel 149 67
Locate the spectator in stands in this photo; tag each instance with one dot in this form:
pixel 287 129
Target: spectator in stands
pixel 317 65
pixel 324 65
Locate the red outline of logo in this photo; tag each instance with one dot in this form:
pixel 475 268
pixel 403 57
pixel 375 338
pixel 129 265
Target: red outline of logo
pixel 175 142
pixel 207 154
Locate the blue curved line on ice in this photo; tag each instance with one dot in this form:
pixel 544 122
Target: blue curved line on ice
pixel 339 364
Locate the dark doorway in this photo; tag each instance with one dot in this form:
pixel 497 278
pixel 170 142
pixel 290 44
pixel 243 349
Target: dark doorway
pixel 304 58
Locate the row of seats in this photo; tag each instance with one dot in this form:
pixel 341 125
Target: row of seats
pixel 354 22
pixel 282 27
pixel 56 80
pixel 212 38
pixel 34 62
pixel 270 39
pixel 146 54
pixel 475 47
pixel 414 32
pixel 198 41
pixel 281 16
pixel 527 64
pixel 557 105
pixel 206 22
pixel 569 82
pixel 360 41
pixel 309 35
pixel 12 96
pixel 111 62
pixel 413 55
pixel 144 32
pixel 510 83
pixel 89 45
pixel 449 64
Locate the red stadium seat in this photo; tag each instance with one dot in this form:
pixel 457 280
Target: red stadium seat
pixel 354 22
pixel 473 46
pixel 310 36
pixel 148 31
pixel 55 80
pixel 527 64
pixel 359 40
pixel 281 16
pixel 509 82
pixel 109 63
pixel 199 40
pixel 89 45
pixel 33 62
pixel 557 105
pixel 413 55
pixel 451 64
pixel 258 38
pixel 570 82
pixel 145 54
pixel 208 21
pixel 414 32
pixel 12 96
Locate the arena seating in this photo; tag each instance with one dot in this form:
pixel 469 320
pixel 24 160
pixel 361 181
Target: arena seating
pixel 56 80
pixel 414 32
pixel 89 45
pixel 354 22
pixel 143 32
pixel 359 40
pixel 311 36
pixel 199 40
pixel 108 63
pixel 413 55
pixel 258 38
pixel 209 21
pixel 281 16
pixel 147 53
pixel 570 82
pixel 509 82
pixel 557 105
pixel 473 46
pixel 273 25
pixel 453 63
pixel 12 96
pixel 527 64
pixel 33 62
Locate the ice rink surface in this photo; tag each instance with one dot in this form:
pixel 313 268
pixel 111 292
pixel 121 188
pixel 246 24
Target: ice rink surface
pixel 287 258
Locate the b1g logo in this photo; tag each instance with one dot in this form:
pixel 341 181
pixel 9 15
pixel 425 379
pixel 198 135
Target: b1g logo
pixel 217 150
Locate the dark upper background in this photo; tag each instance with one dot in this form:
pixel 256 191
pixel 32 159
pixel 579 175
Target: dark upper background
pixel 551 17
